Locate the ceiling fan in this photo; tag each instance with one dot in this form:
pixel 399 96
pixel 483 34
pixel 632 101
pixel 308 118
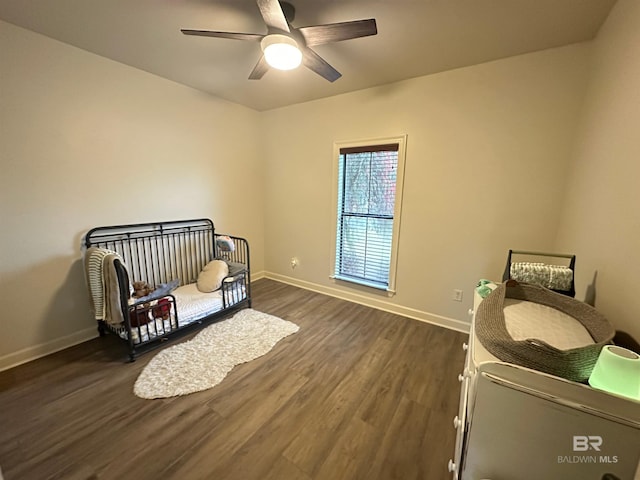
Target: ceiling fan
pixel 285 47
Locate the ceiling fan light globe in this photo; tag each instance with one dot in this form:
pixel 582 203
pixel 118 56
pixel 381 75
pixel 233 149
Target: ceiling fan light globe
pixel 281 52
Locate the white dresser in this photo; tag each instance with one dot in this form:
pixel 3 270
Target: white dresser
pixel 515 423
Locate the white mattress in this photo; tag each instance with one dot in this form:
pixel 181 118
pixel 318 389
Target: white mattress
pixel 193 304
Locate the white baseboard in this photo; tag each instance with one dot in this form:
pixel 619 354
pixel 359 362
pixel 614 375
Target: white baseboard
pixel 439 320
pixel 37 351
pixel 257 275
pixel 43 349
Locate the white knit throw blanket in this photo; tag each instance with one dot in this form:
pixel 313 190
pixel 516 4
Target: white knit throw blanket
pixel 101 280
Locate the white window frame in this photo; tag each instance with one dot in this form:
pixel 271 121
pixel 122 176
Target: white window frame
pixel 401 140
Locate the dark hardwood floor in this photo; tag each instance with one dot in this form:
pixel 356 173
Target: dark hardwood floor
pixel 357 393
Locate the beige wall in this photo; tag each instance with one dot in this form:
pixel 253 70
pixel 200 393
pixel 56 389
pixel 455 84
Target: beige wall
pixel 486 165
pixel 491 162
pixel 85 141
pixel 601 220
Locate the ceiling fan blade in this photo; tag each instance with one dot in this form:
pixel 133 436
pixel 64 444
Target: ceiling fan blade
pixel 259 70
pixel 336 32
pixel 254 37
pixel 315 62
pixel 273 15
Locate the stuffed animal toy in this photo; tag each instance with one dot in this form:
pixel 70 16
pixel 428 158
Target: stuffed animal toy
pixel 141 289
pixel 162 309
pixel 225 244
pixel 140 316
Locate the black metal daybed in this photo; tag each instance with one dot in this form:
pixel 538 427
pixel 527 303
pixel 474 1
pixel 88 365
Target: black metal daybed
pixel 177 259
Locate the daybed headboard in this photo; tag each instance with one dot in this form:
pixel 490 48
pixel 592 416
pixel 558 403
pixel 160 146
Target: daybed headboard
pixel 159 252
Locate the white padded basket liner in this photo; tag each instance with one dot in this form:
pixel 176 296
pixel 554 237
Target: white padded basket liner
pixel 526 320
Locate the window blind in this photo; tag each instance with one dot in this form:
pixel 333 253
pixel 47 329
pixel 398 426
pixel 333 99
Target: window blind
pixel 366 201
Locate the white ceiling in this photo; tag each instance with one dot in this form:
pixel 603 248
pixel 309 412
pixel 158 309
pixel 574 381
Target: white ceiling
pixel 415 38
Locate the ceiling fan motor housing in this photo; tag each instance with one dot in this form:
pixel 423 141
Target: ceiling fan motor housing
pixel 281 51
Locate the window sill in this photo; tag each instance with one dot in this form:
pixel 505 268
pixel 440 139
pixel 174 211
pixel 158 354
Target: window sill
pixel 364 283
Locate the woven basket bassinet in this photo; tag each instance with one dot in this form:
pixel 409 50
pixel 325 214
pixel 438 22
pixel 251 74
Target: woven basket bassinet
pixel 573 364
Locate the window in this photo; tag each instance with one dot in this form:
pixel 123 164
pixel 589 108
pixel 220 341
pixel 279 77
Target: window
pixel 368 178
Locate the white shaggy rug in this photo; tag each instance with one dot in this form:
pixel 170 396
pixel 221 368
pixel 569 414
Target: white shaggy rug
pixel 204 361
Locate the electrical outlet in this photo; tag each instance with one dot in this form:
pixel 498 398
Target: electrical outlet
pixel 294 263
pixel 457 295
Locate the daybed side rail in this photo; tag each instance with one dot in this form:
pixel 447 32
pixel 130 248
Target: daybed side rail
pixel 123 279
pixel 236 291
pixel 240 254
pixel 147 326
